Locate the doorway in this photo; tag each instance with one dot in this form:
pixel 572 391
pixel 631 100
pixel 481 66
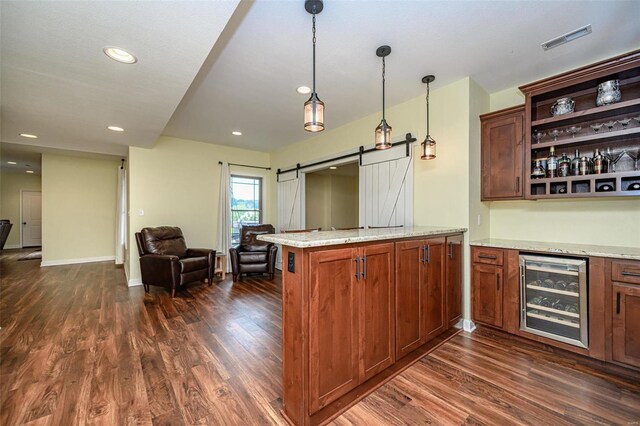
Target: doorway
pixel 332 197
pixel 31 219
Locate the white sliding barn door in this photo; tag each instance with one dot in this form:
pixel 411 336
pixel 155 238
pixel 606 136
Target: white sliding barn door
pixel 386 188
pixel 290 206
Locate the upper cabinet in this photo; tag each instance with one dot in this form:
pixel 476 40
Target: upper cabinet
pixel 503 154
pixel 590 117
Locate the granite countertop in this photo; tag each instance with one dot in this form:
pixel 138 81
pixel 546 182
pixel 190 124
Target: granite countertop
pixel 329 238
pixel 562 248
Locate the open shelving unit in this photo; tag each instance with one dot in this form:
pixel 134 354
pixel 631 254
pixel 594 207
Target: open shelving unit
pixel 581 86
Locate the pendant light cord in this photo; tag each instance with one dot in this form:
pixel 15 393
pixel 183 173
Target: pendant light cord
pixel 314 49
pixel 383 79
pixel 427 109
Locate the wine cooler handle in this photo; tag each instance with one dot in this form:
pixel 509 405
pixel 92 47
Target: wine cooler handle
pixel 523 297
pixel 618 303
pixel 498 281
pixel 517 184
pixel 357 260
pixel 364 268
pixel 630 274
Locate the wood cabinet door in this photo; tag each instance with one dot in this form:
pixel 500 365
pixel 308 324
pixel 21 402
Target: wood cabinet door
pixel 433 312
pixel 333 326
pixel 409 327
pixel 453 279
pixel 502 152
pixel 626 324
pixel 377 310
pixel 487 289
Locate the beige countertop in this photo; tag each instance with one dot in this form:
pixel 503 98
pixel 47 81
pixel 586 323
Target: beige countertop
pixel 562 248
pixel 330 238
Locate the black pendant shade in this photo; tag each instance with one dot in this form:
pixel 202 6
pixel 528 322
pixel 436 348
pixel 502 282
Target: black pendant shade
pixel 314 107
pixel 383 131
pixel 428 145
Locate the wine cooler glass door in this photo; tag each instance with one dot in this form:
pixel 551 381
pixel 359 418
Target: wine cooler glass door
pixel 554 298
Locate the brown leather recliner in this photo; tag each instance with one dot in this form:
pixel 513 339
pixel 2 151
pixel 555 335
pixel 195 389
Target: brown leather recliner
pixel 166 261
pixel 253 256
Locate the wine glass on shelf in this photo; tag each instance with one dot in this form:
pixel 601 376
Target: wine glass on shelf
pixel 624 122
pixel 573 130
pixel 596 127
pixel 537 136
pixel 555 133
pixel 617 158
pixel 610 124
pixel 635 156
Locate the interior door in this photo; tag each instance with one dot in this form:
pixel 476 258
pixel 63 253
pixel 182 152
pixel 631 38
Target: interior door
pixel 333 326
pixel 31 218
pixel 377 310
pixel 290 206
pixel 434 293
pixel 386 188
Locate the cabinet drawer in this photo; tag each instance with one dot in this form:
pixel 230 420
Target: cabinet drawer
pixel 488 255
pixel 625 271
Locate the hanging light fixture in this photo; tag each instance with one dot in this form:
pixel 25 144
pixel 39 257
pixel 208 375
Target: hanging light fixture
pixel 383 131
pixel 314 107
pixel 428 145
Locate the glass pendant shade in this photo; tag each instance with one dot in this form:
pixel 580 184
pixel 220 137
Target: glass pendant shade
pixel 428 148
pixel 383 135
pixel 314 114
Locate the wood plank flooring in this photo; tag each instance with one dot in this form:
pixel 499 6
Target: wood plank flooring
pixel 79 347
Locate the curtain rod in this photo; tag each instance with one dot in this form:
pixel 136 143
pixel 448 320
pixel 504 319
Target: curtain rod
pixel 408 140
pixel 247 165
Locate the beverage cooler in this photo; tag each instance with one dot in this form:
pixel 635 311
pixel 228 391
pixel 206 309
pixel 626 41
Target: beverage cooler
pixel 553 298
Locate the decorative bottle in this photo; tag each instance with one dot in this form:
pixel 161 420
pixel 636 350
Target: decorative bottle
pixel 598 162
pixel 552 163
pixel 575 164
pixel 564 165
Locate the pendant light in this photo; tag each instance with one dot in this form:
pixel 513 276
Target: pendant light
pixel 428 145
pixel 314 107
pixel 383 131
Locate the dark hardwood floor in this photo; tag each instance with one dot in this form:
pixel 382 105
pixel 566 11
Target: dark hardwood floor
pixel 77 347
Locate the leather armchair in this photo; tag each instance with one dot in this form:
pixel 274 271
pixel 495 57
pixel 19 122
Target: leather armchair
pixel 5 228
pixel 253 256
pixel 166 261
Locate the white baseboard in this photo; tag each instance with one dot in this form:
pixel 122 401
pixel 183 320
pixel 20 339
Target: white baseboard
pixel 12 246
pixel 74 261
pixel 134 282
pixel 468 325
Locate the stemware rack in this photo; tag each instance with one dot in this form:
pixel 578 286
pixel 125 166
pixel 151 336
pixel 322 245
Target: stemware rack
pixel 582 87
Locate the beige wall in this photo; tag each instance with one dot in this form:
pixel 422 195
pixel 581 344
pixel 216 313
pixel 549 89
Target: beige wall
pixel 614 221
pixel 11 185
pixel 177 183
pixel 78 208
pixel 331 200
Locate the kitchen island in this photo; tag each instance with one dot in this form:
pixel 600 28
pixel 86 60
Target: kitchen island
pixel 359 306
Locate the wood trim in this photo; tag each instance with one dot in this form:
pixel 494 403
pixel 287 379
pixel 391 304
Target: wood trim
pixel 588 72
pixel 597 303
pixel 502 112
pixel 511 295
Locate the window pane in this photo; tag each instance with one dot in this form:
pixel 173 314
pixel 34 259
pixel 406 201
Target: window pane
pixel 245 204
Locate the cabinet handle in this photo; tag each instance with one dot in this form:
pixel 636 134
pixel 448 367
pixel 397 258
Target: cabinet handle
pixel 357 260
pixel 428 253
pixel 450 250
pixel 618 303
pixel 424 254
pixel 498 281
pixel 630 274
pixel 517 184
pixel 364 268
pixel 486 256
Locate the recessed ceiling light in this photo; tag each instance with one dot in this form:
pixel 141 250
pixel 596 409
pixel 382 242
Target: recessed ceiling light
pixel 27 135
pixel 11 162
pixel 236 133
pixel 120 55
pixel 333 167
pixel 30 171
pixel 115 128
pixel 303 90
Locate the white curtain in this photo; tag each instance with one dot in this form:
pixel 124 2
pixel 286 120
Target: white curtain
pixel 224 215
pixel 121 214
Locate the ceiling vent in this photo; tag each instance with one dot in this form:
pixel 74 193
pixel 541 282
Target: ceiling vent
pixel 566 38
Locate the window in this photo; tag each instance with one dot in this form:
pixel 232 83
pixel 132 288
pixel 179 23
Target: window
pixel 246 204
